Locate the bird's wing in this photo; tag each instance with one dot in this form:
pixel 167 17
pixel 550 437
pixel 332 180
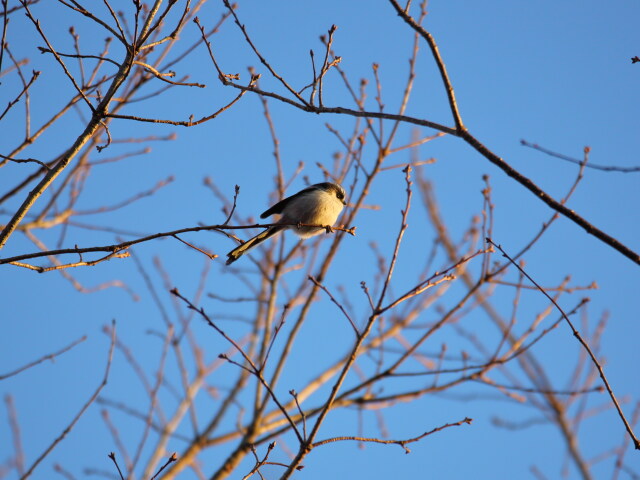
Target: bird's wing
pixel 282 204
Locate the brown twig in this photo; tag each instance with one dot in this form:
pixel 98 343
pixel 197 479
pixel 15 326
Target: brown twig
pixel 118 247
pixel 170 460
pixel 348 111
pixel 50 356
pixel 117 440
pixel 260 463
pixel 5 23
pixel 253 369
pixel 276 143
pixel 18 459
pixel 539 390
pixel 62 266
pixel 338 304
pixel 236 192
pixel 26 160
pixel 272 340
pixel 112 456
pixel 463 133
pixel 605 168
pixel 325 63
pixel 438 59
pixel 184 123
pixel 78 8
pixel 24 90
pixel 78 56
pixel 259 55
pixel 582 342
pixel 403 226
pixel 55 54
pixel 69 427
pixel 211 256
pixel 402 443
pixel 430 282
pixel 162 76
pixel 294 394
pixel 98 117
pixel 551 202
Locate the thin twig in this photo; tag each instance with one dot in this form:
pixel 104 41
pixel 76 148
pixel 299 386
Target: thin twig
pixel 75 55
pixel 63 266
pixel 78 8
pixel 26 160
pixel 22 92
pixel 402 443
pixel 438 59
pixel 50 356
pixel 18 459
pixel 171 459
pixel 5 22
pixel 252 367
pixel 82 410
pixel 184 123
pixel 294 394
pixel 584 344
pixel 112 456
pixel 55 54
pixel 338 304
pixel 124 245
pixel 605 168
pixel 403 226
pixel 259 55
pixel 325 63
pixel 233 208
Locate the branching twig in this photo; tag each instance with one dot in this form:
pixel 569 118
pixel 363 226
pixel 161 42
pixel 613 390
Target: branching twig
pixel 55 54
pixel 259 55
pixel 185 123
pixel 118 247
pixel 402 443
pixel 605 168
pixel 584 344
pixel 252 367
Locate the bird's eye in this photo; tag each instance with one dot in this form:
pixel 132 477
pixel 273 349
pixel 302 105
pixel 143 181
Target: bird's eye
pixel 340 195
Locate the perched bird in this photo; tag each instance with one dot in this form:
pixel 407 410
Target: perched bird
pixel 319 204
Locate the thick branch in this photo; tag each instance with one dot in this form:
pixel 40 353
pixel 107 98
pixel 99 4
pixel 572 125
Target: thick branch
pixel 546 198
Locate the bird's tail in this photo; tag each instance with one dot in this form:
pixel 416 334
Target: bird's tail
pixel 240 250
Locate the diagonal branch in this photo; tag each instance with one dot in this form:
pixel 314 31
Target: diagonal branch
pixel 584 344
pixel 117 247
pixel 463 133
pixel 82 410
pixel 24 91
pixel 55 54
pixel 436 55
pixel 49 356
pixel 98 114
pixel 550 201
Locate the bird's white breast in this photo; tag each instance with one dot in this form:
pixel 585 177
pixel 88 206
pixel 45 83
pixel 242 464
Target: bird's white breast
pixel 314 208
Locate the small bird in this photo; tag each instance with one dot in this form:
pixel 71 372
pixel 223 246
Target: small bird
pixel 319 204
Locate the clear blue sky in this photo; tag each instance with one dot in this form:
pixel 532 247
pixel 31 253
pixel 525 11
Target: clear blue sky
pixel 554 73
